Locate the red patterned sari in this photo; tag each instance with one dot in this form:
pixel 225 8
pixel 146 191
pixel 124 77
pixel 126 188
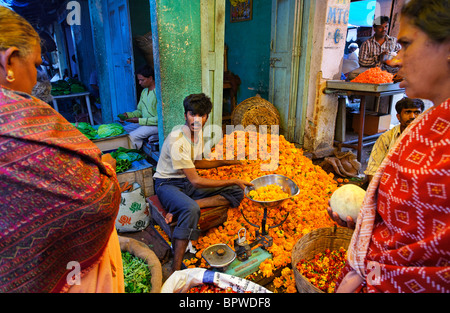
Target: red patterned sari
pixel 402 238
pixel 58 201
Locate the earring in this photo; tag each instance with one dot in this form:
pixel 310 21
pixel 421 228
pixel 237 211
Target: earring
pixel 10 77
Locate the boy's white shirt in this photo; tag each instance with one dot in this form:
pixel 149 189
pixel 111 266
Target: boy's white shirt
pixel 178 152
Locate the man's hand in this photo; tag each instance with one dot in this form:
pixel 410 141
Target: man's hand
pixel 382 56
pixel 123 116
pixel 335 217
pixel 242 183
pixel 133 120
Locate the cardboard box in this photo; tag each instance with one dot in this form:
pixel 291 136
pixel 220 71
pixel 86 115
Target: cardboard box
pixel 373 123
pixel 143 177
pixel 112 143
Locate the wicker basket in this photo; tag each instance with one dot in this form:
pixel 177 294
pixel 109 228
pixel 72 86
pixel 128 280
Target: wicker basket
pixel 255 111
pixel 313 243
pixel 142 251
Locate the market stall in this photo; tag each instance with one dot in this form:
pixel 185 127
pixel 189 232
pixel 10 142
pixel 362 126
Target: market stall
pixel 84 95
pixel 284 224
pixel 362 91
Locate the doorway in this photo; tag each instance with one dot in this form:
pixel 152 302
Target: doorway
pixel 269 53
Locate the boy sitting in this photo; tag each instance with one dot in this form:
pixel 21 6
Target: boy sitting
pixel 181 191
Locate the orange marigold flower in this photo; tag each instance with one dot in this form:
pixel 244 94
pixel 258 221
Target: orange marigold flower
pixel 374 75
pixel 304 212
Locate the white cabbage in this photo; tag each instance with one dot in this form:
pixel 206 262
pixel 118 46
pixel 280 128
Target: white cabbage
pixel 347 201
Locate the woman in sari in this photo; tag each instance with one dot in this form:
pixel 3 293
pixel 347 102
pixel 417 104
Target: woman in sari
pixel 59 196
pixel 401 241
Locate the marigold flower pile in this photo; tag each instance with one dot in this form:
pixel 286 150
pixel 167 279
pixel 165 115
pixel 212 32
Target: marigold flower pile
pixel 374 75
pixel 268 193
pixel 324 269
pixel 307 210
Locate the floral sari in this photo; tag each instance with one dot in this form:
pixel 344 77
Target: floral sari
pixel 58 200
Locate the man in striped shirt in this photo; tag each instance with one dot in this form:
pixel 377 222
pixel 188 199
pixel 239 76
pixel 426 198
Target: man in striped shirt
pixel 374 49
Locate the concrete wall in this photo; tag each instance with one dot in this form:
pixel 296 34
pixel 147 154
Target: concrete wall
pixel 326 61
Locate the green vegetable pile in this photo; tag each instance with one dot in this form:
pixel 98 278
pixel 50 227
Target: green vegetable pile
pixel 86 129
pixel 108 130
pixel 124 157
pixel 105 130
pixel 62 87
pixel 122 165
pixel 137 275
pixel 128 154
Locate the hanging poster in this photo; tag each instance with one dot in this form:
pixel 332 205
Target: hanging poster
pixel 241 10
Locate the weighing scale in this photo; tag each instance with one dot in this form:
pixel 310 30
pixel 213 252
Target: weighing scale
pixel 243 260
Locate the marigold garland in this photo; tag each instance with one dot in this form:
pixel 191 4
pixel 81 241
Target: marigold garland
pixel 307 210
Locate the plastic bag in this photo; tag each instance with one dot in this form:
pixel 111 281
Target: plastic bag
pixel 182 281
pixel 133 213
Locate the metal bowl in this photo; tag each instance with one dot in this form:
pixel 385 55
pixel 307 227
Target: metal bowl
pixel 287 184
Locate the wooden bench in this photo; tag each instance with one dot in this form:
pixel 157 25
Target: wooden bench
pixel 209 217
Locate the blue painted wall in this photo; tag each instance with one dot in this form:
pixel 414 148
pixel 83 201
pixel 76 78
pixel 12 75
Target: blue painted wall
pixel 249 50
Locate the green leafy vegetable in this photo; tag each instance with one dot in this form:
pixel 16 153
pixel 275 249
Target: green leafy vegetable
pixel 86 129
pixel 129 154
pixel 62 87
pixel 108 130
pixel 122 165
pixel 137 275
pixel 122 156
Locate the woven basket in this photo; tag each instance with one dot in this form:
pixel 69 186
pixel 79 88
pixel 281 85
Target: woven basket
pixel 142 251
pixel 255 111
pixel 313 243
